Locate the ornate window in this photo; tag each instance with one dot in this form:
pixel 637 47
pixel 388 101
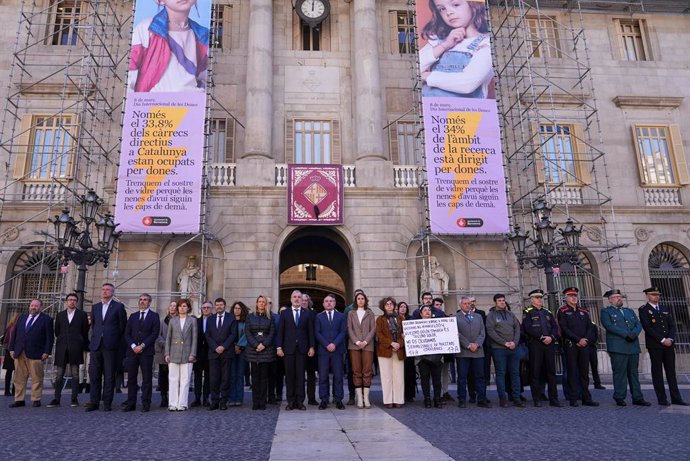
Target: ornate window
pixel 543 36
pixel 660 155
pixel 402 39
pixel 563 159
pixel 669 269
pixel 64 21
pixel 221 140
pixel 312 141
pixel 47 147
pixel 633 39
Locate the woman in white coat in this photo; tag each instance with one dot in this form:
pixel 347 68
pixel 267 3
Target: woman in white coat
pixel 180 354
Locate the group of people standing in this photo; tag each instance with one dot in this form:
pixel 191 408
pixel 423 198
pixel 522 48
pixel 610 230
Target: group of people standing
pixel 216 347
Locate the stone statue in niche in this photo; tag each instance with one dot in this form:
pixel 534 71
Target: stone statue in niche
pixel 434 278
pixel 190 280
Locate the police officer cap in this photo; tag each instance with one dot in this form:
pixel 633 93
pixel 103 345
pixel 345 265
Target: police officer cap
pixel 651 291
pixel 610 293
pixel 536 293
pixel 571 291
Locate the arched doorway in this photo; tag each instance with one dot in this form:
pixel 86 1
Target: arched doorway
pixel 317 261
pixel 35 273
pixel 669 269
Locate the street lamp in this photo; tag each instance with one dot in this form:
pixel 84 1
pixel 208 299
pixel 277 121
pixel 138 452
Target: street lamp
pixel 545 252
pixel 74 241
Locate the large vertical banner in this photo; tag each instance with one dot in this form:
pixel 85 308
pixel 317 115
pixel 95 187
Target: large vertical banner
pixel 467 192
pixel 161 157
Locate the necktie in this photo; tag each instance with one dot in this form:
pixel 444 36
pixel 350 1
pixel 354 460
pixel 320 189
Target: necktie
pixel 330 316
pixel 296 316
pixel 30 322
pixel 220 322
pixel 141 317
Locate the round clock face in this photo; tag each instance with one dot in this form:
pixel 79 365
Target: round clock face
pixel 313 9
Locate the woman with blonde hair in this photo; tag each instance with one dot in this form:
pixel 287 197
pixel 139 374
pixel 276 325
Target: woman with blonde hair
pixel 260 353
pixel 180 354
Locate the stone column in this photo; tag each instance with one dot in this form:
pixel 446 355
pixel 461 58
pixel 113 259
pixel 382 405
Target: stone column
pixel 255 167
pixel 371 166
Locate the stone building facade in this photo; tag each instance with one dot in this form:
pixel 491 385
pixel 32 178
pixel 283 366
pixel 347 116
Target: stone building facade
pixel 351 85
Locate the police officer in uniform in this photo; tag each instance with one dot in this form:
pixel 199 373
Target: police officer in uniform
pixel 577 333
pixel 541 331
pixel 660 332
pixel 622 330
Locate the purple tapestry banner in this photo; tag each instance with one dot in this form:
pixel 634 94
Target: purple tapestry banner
pixel 464 160
pixel 315 194
pixel 161 159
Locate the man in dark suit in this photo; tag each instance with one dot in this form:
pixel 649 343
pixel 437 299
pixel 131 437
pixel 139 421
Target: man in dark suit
pixel 141 332
pixel 330 332
pixel 660 337
pixel 31 345
pixel 202 385
pixel 108 321
pixel 72 339
pixel 295 342
pixel 221 336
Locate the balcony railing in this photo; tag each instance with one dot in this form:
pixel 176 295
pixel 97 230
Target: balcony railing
pixel 221 174
pixel 349 179
pixel 42 191
pixel 566 195
pixel 407 176
pixel 662 196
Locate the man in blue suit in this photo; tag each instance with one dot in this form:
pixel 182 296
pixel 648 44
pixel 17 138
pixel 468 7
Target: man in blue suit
pixel 221 336
pixel 31 345
pixel 141 332
pixel 108 321
pixel 295 342
pixel 330 331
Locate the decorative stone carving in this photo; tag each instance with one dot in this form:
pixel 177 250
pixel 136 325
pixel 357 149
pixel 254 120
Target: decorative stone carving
pixel 11 235
pixel 642 234
pixel 593 233
pixel 190 280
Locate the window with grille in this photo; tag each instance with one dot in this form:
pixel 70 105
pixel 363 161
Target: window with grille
pixel 402 32
pixel 405 143
pixel 63 21
pixel 51 147
pixel 221 16
pixel 308 38
pixel 221 141
pixel 632 39
pixel 543 36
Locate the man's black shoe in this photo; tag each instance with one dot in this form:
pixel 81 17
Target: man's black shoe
pixel 642 403
pixel 301 407
pixel 146 409
pixel 223 406
pixel 680 402
pixel 462 404
pixel 195 403
pixel 53 403
pixel 323 406
pixel 574 403
pixel 555 403
pixel 590 403
pixel 599 387
pixel 214 406
pixel 339 405
pixel 621 402
pixel 91 407
pixel 129 408
pixel 313 402
pixel 17 404
pixel 36 403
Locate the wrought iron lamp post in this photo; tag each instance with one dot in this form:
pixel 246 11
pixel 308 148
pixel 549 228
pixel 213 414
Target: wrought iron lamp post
pixel 74 238
pixel 544 251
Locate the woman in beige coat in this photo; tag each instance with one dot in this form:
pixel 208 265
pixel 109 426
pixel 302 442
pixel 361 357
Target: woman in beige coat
pixel 361 328
pixel 180 354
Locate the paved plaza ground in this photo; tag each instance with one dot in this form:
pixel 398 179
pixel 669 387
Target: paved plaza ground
pixel 411 433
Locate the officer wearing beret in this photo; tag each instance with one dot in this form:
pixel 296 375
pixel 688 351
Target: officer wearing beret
pixel 577 333
pixel 541 331
pixel 660 332
pixel 622 330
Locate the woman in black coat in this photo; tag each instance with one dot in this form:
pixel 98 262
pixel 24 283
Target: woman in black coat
pixel 259 331
pixel 410 373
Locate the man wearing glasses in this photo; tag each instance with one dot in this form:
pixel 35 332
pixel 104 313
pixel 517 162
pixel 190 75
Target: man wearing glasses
pixel 660 334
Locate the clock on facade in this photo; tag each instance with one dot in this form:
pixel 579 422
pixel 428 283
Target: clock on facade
pixel 313 12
